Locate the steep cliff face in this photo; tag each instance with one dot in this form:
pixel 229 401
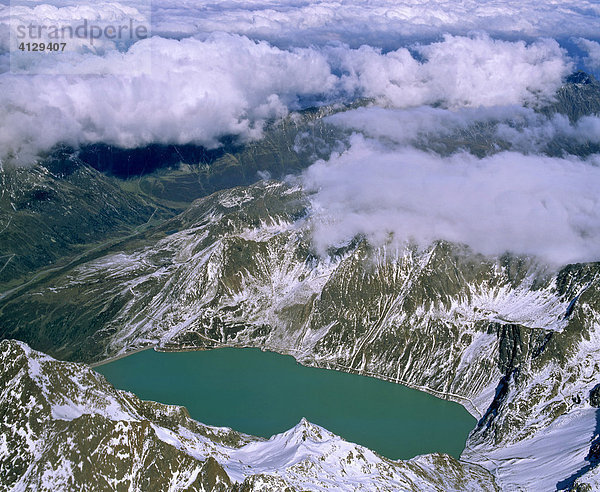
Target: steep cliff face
pixel 544 411
pixel 65 428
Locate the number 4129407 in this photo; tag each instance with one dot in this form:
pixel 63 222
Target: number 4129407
pixel 42 46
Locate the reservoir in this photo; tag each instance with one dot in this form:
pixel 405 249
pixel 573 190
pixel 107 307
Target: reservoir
pixel 264 393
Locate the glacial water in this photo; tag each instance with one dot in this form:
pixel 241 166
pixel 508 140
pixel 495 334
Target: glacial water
pixel 263 393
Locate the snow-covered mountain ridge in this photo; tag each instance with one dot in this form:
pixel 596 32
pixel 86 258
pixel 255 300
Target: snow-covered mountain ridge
pixel 65 428
pixel 512 341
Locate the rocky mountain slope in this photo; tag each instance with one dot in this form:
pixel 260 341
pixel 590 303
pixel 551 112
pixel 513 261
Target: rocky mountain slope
pixel 70 201
pixel 514 341
pixel 65 428
pixel 72 206
pixel 52 210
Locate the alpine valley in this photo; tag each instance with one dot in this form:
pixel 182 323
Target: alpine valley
pixel 218 251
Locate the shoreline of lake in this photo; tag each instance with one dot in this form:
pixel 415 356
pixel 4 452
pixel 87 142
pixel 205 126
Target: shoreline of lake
pixel 264 393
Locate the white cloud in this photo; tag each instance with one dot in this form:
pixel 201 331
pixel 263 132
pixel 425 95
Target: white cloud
pixel 541 206
pixel 542 130
pixel 459 71
pixel 198 91
pixel 592 48
pixel 524 129
pixel 207 84
pixel 383 23
pixel 377 22
pixel 412 125
pixel 33 21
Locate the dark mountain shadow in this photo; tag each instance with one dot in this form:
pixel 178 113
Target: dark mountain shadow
pixel 129 163
pixel 501 392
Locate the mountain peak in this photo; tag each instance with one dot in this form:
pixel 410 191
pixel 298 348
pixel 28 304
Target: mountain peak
pixel 309 431
pixel 581 77
pixel 55 412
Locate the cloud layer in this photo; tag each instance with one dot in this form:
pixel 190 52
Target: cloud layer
pixel 434 76
pixel 483 129
pixel 356 22
pixel 197 91
pixel 384 23
pixel 381 22
pixel 592 49
pixel 508 202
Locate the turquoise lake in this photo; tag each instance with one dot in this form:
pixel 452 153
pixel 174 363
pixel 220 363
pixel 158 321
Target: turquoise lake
pixel 263 393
